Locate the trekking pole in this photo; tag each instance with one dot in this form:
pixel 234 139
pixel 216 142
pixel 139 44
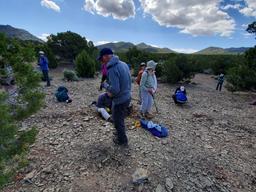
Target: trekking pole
pixel 155 103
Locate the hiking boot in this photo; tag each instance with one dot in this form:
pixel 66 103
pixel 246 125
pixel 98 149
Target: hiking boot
pixel 93 103
pixel 117 142
pixel 149 116
pixel 110 120
pixel 142 115
pixel 69 101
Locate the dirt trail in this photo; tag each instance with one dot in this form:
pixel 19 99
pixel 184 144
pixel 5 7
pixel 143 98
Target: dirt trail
pixel 211 146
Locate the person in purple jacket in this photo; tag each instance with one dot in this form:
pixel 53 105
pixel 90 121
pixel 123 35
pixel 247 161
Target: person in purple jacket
pixel 43 63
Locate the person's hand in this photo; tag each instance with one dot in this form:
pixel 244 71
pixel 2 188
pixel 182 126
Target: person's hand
pixel 109 94
pixel 151 91
pixel 104 85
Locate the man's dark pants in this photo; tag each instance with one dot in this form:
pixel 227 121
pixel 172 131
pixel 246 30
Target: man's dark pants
pixel 119 113
pixel 219 86
pixel 46 77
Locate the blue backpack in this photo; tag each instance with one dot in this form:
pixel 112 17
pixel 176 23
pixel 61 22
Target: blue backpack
pixel 62 94
pixel 154 129
pixel 181 97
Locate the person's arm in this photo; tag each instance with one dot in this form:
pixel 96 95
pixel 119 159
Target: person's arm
pixel 143 81
pixel 114 85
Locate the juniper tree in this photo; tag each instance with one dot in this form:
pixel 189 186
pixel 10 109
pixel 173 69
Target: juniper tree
pixel 25 99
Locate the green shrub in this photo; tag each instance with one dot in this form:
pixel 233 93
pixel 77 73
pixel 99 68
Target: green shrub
pixel 184 66
pixel 242 78
pixel 27 100
pixel 70 75
pixel 171 72
pixel 84 65
pixel 243 75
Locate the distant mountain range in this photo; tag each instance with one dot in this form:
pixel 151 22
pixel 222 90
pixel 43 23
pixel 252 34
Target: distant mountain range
pixel 218 51
pixel 22 34
pixel 124 47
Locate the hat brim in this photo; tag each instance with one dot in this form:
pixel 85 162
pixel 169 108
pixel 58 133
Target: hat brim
pixel 99 58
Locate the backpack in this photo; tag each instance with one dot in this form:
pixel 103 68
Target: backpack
pixel 155 129
pixel 62 94
pixel 181 97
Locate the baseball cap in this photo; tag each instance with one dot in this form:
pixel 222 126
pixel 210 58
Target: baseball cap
pixel 104 51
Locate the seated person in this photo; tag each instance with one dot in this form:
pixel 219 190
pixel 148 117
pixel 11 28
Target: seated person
pixel 104 105
pixel 180 95
pixel 62 95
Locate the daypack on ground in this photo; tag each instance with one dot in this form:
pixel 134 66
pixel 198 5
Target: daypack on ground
pixel 181 97
pixel 62 94
pixel 156 129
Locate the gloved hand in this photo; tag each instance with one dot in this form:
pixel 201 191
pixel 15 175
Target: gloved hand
pixel 104 85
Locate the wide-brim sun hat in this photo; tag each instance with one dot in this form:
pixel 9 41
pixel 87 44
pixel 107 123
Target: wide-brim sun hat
pixel 151 64
pixel 41 52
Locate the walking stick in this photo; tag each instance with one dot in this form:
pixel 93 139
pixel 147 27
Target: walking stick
pixel 155 103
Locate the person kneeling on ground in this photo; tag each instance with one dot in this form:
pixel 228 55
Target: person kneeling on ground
pixel 104 105
pixel 148 86
pixel 62 95
pixel 180 95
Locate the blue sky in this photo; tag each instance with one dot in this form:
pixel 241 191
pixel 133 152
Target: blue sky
pixel 181 25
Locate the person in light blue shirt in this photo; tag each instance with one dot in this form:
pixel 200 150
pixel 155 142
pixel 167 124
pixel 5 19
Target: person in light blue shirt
pixel 148 86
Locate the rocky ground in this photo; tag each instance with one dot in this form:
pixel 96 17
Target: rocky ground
pixel 211 145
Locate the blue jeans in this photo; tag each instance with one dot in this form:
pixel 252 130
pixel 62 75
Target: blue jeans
pixel 119 113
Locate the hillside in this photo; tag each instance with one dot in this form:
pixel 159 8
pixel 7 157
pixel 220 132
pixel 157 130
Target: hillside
pixel 124 46
pixel 211 144
pixel 22 34
pixel 218 50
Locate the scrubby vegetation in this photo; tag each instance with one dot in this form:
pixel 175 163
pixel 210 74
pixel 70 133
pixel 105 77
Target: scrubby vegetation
pixel 24 99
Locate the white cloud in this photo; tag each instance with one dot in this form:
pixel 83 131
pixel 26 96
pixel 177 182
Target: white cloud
pixel 229 6
pixel 244 26
pixel 118 9
pixel 157 46
pixel 248 35
pixel 184 50
pixel 196 17
pixel 43 36
pixel 50 5
pixel 101 42
pixel 249 9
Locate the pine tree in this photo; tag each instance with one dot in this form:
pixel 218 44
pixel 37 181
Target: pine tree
pixel 84 65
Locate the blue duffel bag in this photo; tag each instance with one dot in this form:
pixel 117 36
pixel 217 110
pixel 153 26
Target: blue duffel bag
pixel 155 129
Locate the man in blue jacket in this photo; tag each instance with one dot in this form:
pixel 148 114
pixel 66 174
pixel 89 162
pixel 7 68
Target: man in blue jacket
pixel 119 86
pixel 43 62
